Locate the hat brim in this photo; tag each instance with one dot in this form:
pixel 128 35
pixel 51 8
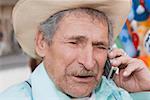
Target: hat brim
pixel 28 14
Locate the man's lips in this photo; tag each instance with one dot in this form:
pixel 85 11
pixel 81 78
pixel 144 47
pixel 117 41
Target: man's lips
pixel 83 79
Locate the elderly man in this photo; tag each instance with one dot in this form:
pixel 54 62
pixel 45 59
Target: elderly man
pixel 73 39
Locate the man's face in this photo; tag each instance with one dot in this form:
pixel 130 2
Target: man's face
pixel 75 60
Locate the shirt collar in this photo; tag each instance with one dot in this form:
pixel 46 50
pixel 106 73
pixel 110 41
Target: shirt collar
pixel 43 88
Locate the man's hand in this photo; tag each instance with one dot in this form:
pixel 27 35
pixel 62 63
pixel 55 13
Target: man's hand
pixel 133 74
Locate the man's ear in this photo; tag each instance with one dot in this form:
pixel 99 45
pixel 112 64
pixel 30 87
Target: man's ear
pixel 40 44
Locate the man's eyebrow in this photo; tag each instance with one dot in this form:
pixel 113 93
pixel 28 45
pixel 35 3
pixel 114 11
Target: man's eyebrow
pixel 100 43
pixel 78 38
pixel 83 38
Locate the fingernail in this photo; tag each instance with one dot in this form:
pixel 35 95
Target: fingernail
pixel 113 61
pixel 125 73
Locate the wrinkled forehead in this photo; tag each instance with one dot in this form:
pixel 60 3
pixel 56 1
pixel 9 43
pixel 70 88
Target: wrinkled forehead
pixel 75 26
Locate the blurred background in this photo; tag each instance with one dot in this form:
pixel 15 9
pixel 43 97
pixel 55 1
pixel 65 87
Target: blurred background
pixel 16 66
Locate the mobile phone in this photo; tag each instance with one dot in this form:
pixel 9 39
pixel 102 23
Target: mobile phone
pixel 109 71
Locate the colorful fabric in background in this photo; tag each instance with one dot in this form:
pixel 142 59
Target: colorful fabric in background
pixel 135 35
pixel 127 43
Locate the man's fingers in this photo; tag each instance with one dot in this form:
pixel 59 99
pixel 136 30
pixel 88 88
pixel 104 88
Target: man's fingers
pixel 126 64
pixel 120 61
pixel 132 67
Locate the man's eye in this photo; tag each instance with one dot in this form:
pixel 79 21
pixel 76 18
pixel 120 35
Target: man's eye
pixel 101 47
pixel 73 42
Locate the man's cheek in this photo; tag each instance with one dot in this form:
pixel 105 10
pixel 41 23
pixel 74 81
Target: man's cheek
pixel 100 73
pixel 64 48
pixel 101 66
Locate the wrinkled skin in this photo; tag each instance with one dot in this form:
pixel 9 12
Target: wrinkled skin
pixel 76 57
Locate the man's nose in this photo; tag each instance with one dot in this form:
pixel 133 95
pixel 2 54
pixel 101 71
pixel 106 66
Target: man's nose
pixel 86 58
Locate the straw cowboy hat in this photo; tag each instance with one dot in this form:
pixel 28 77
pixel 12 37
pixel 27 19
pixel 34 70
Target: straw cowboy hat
pixel 28 14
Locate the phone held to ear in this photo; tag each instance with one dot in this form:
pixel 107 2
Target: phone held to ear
pixel 109 71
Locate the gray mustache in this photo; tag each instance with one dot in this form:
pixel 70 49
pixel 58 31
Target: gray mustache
pixel 84 72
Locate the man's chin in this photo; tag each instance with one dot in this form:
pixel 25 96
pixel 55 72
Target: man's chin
pixel 77 87
pixel 80 91
pixel 79 95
